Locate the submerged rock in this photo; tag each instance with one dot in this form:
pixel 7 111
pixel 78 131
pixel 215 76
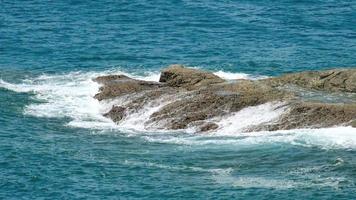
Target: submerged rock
pixel 186 97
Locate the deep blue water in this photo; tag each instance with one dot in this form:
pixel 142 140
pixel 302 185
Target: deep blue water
pixel 51 147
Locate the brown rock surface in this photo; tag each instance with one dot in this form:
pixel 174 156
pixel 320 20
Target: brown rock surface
pixel 335 80
pixel 190 97
pixel 117 113
pixel 180 76
pixel 216 101
pixel 314 115
pixel 353 123
pixel 118 85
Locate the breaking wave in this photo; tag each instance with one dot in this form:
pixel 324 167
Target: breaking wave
pixel 232 76
pixel 70 96
pixel 325 138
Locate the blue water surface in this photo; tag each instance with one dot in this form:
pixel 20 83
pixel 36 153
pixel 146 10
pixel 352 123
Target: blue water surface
pixel 44 158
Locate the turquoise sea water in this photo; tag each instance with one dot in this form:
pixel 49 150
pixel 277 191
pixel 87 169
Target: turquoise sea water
pixel 54 144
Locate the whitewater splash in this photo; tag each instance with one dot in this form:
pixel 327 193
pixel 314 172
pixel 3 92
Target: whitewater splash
pixel 325 138
pixel 233 76
pixel 71 96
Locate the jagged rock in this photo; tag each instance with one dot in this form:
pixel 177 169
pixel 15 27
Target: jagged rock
pixel 116 113
pixel 335 80
pixel 180 76
pixel 190 97
pixel 118 85
pixel 216 100
pixel 314 115
pixel 251 93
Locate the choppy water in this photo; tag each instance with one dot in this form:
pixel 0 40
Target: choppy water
pixel 56 145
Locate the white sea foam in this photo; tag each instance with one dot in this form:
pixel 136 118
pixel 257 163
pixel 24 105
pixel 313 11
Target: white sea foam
pixel 233 76
pixel 326 138
pixel 214 171
pixel 137 121
pixel 151 76
pixel 255 182
pixel 274 183
pixel 71 96
pixel 250 116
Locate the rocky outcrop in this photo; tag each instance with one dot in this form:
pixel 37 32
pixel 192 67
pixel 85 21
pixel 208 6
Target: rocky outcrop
pixel 313 115
pixel 216 100
pixel 336 80
pixel 118 85
pixel 186 97
pixel 180 76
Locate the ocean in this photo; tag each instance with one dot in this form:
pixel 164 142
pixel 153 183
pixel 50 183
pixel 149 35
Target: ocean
pixel 55 143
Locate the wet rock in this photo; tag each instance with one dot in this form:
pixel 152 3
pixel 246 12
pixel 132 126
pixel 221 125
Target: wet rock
pixel 150 98
pixel 117 113
pixel 208 127
pixel 192 108
pixel 314 115
pixel 191 98
pixel 335 80
pixel 110 78
pixel 215 101
pixel 251 93
pixel 118 85
pixel 180 76
pixel 353 123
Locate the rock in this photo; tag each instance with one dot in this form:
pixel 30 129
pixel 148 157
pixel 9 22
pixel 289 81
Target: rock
pixel 117 113
pixel 110 78
pixel 180 76
pixel 335 80
pixel 252 93
pixel 119 85
pixel 314 115
pixel 188 97
pixel 353 123
pixel 214 101
pixel 208 127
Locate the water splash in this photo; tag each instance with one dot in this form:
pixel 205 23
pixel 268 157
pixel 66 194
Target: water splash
pixel 233 76
pixel 71 96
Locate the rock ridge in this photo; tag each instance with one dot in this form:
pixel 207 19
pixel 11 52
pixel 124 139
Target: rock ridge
pixel 187 97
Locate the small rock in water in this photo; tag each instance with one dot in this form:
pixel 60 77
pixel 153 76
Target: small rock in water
pixel 116 113
pixel 208 127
